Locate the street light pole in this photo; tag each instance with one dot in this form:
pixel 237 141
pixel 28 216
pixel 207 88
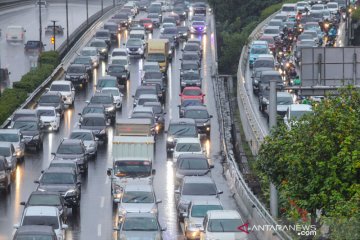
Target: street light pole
pixel 54 33
pixel 40 26
pixel 87 12
pixel 67 24
pixel 102 7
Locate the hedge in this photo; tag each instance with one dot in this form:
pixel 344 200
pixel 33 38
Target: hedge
pixel 11 99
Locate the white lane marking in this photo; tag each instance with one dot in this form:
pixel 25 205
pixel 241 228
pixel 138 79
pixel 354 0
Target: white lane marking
pixel 99 230
pixel 102 202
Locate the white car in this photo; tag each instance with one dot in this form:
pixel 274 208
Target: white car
pixel 118 96
pixel 44 215
pixel 93 53
pixel 15 34
pixel 138 198
pixel 49 117
pixel 187 145
pixel 333 7
pixel 294 112
pixel 118 52
pixel 89 139
pixel 66 89
pixel 122 60
pixel 166 25
pixel 224 225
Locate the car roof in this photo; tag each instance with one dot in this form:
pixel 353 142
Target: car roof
pixel 283 94
pixel 25 111
pixel 41 211
pixel 300 107
pixel 81 130
pixel 35 229
pixel 148 96
pixel 27 119
pixel 119 50
pixel 106 77
pixel 52 93
pixel 47 192
pixel 63 82
pixel 201 107
pixel 209 201
pixel 192 155
pixel 96 94
pixel 63 161
pixel 151 63
pixel 89 48
pixel 45 108
pixel 71 141
pixel 152 104
pixel 270 72
pixel 59 170
pixel 188 140
pixel 10 130
pixel 198 179
pixel 142 108
pixel 5 144
pixel 272 27
pixel 139 187
pixel 223 214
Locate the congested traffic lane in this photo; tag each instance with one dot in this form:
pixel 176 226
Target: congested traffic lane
pixel 13 56
pixel 97 217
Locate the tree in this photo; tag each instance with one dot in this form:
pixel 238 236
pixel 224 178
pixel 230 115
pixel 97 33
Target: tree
pixel 317 162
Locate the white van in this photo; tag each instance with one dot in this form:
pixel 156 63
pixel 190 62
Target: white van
pixel 15 34
pixel 139 34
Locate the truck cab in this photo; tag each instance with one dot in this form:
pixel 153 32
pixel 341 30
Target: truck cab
pixel 158 50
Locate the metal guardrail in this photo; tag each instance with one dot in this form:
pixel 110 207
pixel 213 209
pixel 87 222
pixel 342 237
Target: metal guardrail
pixel 78 35
pixel 249 204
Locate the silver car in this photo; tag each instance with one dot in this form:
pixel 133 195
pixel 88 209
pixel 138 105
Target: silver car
pixel 7 150
pixel 15 137
pixel 140 226
pixel 89 139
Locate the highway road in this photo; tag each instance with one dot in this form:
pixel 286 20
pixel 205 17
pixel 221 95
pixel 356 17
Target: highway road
pixel 96 217
pixel 13 56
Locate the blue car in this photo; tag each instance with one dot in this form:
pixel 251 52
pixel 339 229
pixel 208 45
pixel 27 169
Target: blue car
pixel 257 48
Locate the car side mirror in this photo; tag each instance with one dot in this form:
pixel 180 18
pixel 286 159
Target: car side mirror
pixel 58 115
pixel 36 181
pixel 220 192
pixel 153 172
pixel 211 166
pixel 78 183
pixel 108 172
pixel 16 226
pixel 73 89
pixel 184 214
pixel 42 171
pixel 158 201
pixel 96 139
pixel 22 203
pixel 47 89
pixel 53 154
pixel 163 229
pixel 211 116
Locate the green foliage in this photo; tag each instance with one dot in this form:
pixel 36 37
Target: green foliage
pixel 355 16
pixel 10 100
pixel 316 164
pixel 30 81
pixel 49 57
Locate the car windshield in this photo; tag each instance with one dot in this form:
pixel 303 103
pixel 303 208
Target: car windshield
pixel 190 57
pixel 196 114
pixel 193 164
pixel 134 42
pixel 102 34
pixel 30 236
pixel 116 69
pixel 145 91
pixel 153 75
pixel 25 125
pixel 132 168
pixel 189 66
pixel 153 15
pixel 157 109
pixel 89 52
pixel 192 92
pixel 224 225
pixel 111 28
pixel 93 121
pixel 142 21
pixel 170 30
pixel 275 23
pixel 70 149
pixel 271 31
pixel 51 221
pixel 199 189
pixel 4 151
pixel 284 100
pixel 93 110
pixel 199 211
pixel 332 5
pixel 259 51
pixel 118 53
pixel 49 99
pixel 140 224
pixel 188 147
pixel 46 112
pixel 9 137
pixel 263 63
pixel 317 7
pixel 107 83
pixel 98 44
pixel 138 197
pixel 101 100
pixel 198 23
pixel 266 78
pixel 305 36
pixel 119 61
pixel 182 130
pixel 60 88
pixel 85 136
pixel 75 69
pixel 44 200
pixel 191 102
pixel 288 9
pixel 155 57
pixel 113 92
pixel 191 47
pixel 57 178
pixel 191 76
pixel 144 100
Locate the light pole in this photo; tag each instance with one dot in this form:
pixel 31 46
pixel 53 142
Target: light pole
pixel 40 26
pixel 54 33
pixel 102 7
pixel 87 12
pixel 67 24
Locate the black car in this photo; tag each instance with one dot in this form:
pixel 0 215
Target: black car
pixel 39 198
pixel 159 114
pixel 191 165
pixel 85 60
pixel 52 99
pixel 107 100
pixel 34 46
pixel 64 181
pixel 30 128
pixel 119 71
pixel 113 29
pixel 50 29
pixel 97 123
pixel 188 102
pixel 160 86
pixel 92 108
pixel 180 128
pixel 102 47
pixel 201 116
pixel 181 11
pixel 192 47
pixel 143 5
pixel 77 74
pixel 190 79
pixel 189 66
pixel 191 56
pixel 122 19
pixel 140 90
pixel 103 34
pixel 5 174
pixel 37 231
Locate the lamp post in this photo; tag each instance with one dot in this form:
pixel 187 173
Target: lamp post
pixel 40 26
pixel 102 7
pixel 67 24
pixel 87 12
pixel 54 34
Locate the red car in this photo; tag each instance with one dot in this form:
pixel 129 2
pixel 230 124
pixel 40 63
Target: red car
pixel 192 93
pixel 147 23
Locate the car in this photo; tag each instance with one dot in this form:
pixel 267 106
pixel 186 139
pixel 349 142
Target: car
pixel 101 46
pixel 121 60
pixel 272 31
pixel 189 66
pixel 77 74
pixel 333 7
pixel 35 231
pixel 194 217
pixel 89 139
pixel 46 198
pixel 33 45
pixel 283 101
pixel 135 47
pixel 294 112
pixel 223 224
pixel 106 81
pixel 189 164
pixel 143 98
pixel 66 89
pixel 169 19
pixel 115 92
pixel 154 17
pixel 97 123
pixel 264 87
pixel 5 175
pixel 138 34
pixel 183 32
pixel 275 22
pixel 118 52
pixel 15 33
pixel 73 150
pixel 167 25
pixel 92 53
pixel 192 47
pixel 49 118
pixel 194 188
pixel 159 114
pixel 52 99
pixel 201 116
pixel 301 5
pixel 187 103
pixel 23 113
pixel 64 181
pixel 256 75
pixel 108 101
pixel 305 36
pixel 180 128
pixel 85 61
pixel 150 67
pixel 288 8
pixel 150 76
pixel 191 56
pixel 143 5
pixel 264 61
pixel 113 29
pixel 140 225
pixel 181 11
pixel 148 24
pixel 146 115
pixel 93 108
pixel 198 27
pixel 123 19
pixel 257 48
pixel 103 34
pixel 190 79
pixel 14 137
pixel 30 128
pixel 7 150
pixel 170 33
pixel 192 93
pixel 140 90
pixel 60 163
pixel 186 145
pixel 142 109
pixel 198 8
pixel 119 71
pixel 303 44
pixel 51 29
pixel 44 216
pixel 137 198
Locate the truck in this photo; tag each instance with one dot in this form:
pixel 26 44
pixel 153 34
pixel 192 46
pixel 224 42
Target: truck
pixel 158 50
pixel 133 149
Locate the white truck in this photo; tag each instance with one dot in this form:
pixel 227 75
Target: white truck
pixel 133 156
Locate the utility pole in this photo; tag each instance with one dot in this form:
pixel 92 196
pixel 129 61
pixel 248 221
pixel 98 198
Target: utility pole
pixel 272 123
pixel 87 12
pixel 114 3
pixel 67 24
pixel 53 39
pixel 40 26
pixel 102 7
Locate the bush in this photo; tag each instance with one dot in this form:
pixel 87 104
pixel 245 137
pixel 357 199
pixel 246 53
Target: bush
pixel 50 57
pixel 10 100
pixel 30 81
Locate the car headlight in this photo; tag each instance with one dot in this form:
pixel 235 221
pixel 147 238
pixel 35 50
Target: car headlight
pixel 266 101
pixel 117 189
pixel 71 192
pixel 18 151
pixel 102 131
pixel 154 210
pixel 109 109
pixel 206 123
pixel 192 28
pixel 104 50
pixel 36 137
pixel 170 139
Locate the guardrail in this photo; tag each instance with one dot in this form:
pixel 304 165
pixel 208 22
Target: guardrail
pixel 77 40
pixel 255 213
pixel 8 4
